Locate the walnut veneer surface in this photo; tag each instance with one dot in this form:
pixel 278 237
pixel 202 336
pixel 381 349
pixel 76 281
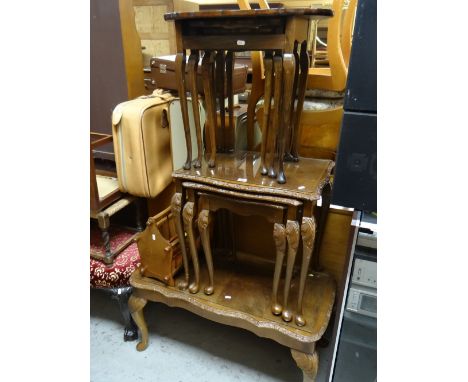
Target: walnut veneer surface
pixel 242 299
pixel 241 171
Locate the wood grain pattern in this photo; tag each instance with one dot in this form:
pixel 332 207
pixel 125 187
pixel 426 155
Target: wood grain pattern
pixel 249 305
pixel 250 13
pixel 132 52
pixel 241 172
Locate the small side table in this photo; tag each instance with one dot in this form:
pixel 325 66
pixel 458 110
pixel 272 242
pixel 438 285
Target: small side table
pixel 282 34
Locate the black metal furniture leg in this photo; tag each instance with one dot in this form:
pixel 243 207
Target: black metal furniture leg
pixel 122 295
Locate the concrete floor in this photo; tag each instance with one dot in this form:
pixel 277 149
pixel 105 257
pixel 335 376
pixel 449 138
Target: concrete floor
pixel 184 348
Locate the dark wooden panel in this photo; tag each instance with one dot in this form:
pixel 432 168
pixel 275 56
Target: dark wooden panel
pixel 108 79
pixel 250 13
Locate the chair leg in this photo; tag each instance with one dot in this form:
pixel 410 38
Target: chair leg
pixel 104 224
pixel 122 295
pixel 141 217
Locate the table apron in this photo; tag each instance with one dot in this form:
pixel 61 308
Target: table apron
pixel 236 43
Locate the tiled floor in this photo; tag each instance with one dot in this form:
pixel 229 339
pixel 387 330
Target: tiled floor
pixel 184 348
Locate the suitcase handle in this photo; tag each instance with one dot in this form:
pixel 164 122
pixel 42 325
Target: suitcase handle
pixel 164 119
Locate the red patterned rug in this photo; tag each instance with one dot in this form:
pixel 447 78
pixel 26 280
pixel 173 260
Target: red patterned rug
pixel 118 273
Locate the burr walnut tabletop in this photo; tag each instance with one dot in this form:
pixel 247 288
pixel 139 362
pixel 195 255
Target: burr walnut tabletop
pixel 241 171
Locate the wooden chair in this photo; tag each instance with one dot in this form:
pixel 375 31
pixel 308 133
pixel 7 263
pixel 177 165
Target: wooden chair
pixel 258 80
pixel 323 106
pixel 106 200
pixel 339 39
pixel 331 78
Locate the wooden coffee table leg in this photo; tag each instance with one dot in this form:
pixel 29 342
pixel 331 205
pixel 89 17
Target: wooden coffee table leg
pixel 308 363
pixel 180 79
pixel 292 235
pixel 279 235
pixel 203 224
pixel 136 305
pixel 285 126
pixel 187 214
pixel 308 236
pixel 192 78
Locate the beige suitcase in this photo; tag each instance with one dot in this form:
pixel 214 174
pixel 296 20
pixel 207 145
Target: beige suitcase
pixel 141 136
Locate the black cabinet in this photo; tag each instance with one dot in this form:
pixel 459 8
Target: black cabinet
pixel 355 182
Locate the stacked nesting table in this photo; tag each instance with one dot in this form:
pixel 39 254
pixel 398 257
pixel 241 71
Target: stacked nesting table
pixel 274 183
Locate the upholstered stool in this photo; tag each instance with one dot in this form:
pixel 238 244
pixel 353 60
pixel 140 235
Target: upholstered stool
pixel 114 278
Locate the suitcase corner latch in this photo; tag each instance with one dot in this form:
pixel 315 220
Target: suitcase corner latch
pixel 162 68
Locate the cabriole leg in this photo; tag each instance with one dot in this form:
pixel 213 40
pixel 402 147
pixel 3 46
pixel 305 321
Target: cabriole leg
pixel 292 235
pixel 203 223
pixel 268 62
pixel 285 125
pixel 176 210
pixel 308 363
pixel 180 79
pixel 192 77
pixel 208 88
pixel 308 235
pixel 296 123
pixel 136 305
pixel 187 214
pixel 279 235
pixel 287 155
